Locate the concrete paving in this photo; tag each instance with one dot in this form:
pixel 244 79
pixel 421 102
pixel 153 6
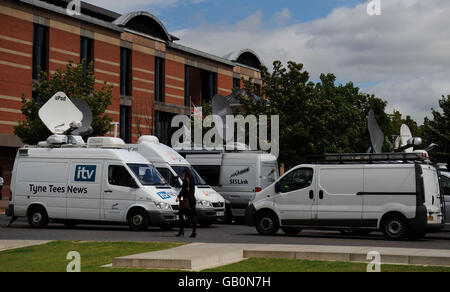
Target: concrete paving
pixel 200 256
pixel 193 257
pixel 13 244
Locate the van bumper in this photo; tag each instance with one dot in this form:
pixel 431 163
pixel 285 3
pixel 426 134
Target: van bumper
pixel 419 223
pixel 250 215
pixel 162 217
pixel 206 214
pixel 10 210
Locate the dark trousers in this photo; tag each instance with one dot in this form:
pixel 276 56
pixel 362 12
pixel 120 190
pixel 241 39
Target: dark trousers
pixel 190 213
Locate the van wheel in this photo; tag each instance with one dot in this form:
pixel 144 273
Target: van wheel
pixel 291 231
pixel 138 220
pixel 267 223
pixel 395 227
pixel 37 217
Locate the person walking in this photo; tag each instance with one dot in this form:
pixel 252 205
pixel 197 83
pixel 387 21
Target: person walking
pixel 187 203
pixel 1 183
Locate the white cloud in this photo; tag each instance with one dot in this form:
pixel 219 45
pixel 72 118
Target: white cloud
pixel 404 51
pixel 135 5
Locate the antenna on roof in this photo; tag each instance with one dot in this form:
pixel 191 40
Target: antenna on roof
pixel 64 117
pixel 86 122
pixel 376 135
pixel 405 135
pixel 60 115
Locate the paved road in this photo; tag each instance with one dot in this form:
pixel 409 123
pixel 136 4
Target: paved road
pixel 214 234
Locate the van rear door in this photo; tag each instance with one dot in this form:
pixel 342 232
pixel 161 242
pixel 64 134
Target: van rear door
pixel 433 200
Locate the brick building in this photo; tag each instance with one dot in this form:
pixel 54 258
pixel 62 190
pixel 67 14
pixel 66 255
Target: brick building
pixel 154 77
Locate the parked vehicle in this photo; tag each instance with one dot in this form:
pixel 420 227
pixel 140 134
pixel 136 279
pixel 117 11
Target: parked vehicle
pixel 100 183
pixel 445 184
pixel 395 193
pixel 237 176
pixel 210 204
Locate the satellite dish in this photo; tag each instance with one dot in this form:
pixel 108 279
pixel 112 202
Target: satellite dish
pixel 406 135
pixel 397 142
pixel 221 107
pixel 59 114
pixel 376 135
pixel 86 122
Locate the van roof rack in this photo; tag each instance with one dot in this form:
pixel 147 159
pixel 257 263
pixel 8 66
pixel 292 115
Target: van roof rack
pixel 369 157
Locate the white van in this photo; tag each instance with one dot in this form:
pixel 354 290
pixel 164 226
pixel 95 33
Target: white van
pixel 399 198
pixel 445 184
pixel 210 204
pixel 90 185
pixel 237 176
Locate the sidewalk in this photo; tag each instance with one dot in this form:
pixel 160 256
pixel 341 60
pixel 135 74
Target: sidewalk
pixel 200 256
pixel 13 244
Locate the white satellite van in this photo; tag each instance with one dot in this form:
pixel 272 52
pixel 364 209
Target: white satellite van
pixel 237 176
pixel 210 204
pixel 100 183
pixel 395 193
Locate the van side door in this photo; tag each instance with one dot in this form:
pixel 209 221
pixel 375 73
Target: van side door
pixel 84 191
pixel 296 196
pixel 339 202
pixel 118 193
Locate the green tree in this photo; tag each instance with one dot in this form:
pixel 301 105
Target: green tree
pixel 77 81
pixel 437 130
pixel 315 118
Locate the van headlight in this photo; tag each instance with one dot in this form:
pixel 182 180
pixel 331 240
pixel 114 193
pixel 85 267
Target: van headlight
pixel 163 206
pixel 204 203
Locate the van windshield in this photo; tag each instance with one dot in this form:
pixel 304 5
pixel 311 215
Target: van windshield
pixel 147 175
pixel 198 179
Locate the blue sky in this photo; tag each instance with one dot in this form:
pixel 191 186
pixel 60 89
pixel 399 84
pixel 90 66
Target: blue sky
pixel 400 56
pixel 226 12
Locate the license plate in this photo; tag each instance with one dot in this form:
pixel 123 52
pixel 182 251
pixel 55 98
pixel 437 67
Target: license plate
pixel 220 214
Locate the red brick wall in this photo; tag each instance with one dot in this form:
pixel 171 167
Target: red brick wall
pixel 6 164
pixel 143 86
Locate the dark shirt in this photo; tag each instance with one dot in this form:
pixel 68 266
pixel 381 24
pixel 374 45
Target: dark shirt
pixel 185 194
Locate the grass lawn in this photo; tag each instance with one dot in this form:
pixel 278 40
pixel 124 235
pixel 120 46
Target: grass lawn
pixel 286 265
pixel 51 257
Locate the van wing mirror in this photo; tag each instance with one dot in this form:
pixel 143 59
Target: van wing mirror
pixel 175 182
pixel 133 184
pixel 277 187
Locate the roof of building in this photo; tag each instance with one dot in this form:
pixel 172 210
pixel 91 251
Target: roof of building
pixel 245 57
pixel 145 24
pixel 88 13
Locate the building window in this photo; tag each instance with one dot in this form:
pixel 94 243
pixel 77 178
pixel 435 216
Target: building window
pixel 236 83
pixel 257 89
pixel 86 50
pixel 36 97
pixel 200 86
pixel 159 79
pixel 125 127
pixel 125 72
pixel 40 50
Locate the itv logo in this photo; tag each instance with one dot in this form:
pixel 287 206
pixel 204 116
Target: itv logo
pixel 85 173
